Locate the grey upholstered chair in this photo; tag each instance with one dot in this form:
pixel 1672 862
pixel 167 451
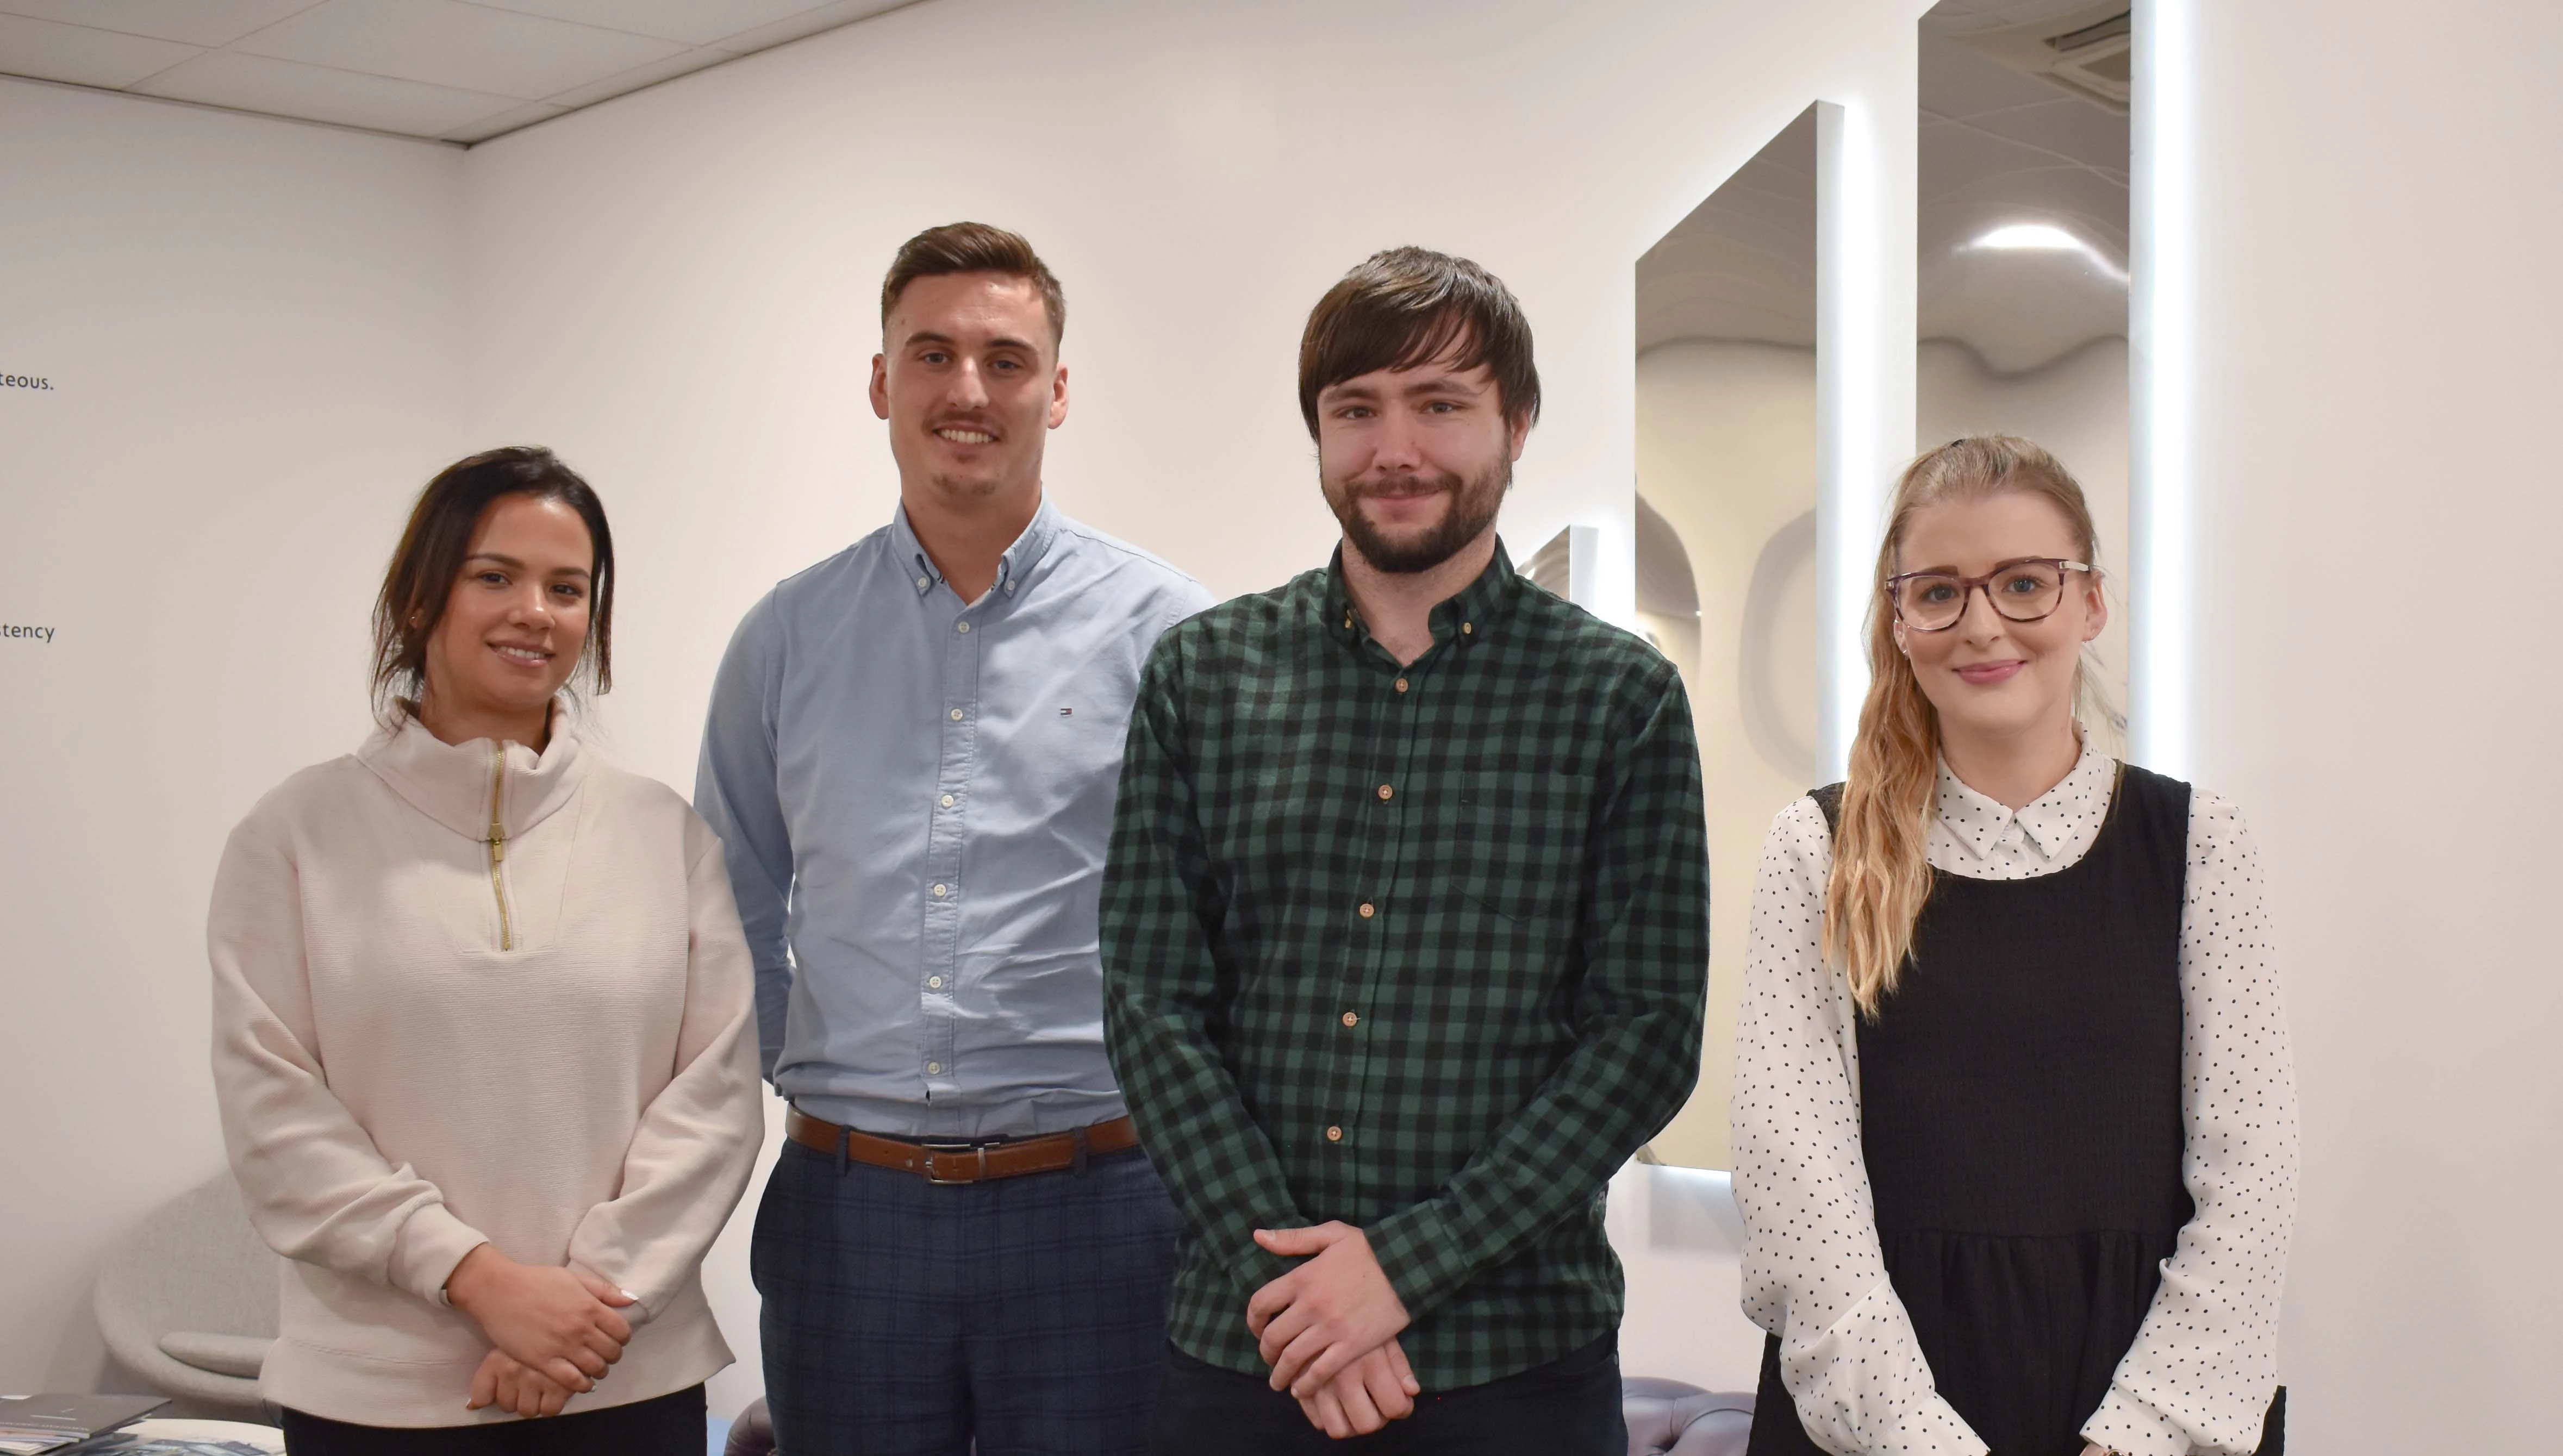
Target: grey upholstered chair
pixel 752 1435
pixel 187 1300
pixel 1669 1419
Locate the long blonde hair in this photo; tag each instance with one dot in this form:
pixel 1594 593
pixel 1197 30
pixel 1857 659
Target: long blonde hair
pixel 1880 877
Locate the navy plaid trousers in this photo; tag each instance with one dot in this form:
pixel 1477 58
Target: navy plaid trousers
pixel 905 1318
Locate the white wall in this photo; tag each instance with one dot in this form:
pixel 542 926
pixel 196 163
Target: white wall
pixel 252 330
pixel 253 334
pixel 265 336
pixel 2376 388
pixel 678 289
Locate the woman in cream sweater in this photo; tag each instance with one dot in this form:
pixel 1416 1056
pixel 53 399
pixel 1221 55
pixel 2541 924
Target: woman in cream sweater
pixel 482 1030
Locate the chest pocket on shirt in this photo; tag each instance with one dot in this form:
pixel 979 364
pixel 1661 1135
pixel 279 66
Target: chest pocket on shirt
pixel 1522 855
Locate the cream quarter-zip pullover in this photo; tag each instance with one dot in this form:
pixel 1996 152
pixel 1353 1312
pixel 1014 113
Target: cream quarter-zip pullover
pixel 469 994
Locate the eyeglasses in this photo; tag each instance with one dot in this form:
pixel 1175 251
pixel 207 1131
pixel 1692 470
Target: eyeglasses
pixel 2025 590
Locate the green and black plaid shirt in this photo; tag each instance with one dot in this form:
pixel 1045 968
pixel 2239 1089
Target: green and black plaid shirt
pixel 1421 949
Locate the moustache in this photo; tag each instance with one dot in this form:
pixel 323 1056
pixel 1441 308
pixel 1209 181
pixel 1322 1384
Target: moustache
pixel 1446 483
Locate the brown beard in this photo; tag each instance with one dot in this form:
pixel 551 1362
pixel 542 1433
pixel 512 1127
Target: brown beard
pixel 1473 509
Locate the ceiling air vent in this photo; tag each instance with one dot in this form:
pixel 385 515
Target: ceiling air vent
pixel 2089 51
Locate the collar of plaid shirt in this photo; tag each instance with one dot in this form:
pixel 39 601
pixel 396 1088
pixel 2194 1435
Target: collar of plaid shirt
pixel 1480 607
pixel 1422 949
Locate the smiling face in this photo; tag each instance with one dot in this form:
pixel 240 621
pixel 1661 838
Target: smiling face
pixel 1992 680
pixel 969 379
pixel 516 616
pixel 1415 461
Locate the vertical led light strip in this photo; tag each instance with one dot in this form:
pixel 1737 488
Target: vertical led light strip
pixel 1848 275
pixel 2162 337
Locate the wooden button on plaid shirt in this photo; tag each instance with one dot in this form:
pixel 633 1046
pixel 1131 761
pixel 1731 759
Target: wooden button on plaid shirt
pixel 1421 949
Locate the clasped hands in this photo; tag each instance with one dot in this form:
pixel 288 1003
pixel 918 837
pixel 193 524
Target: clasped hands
pixel 553 1331
pixel 1328 1329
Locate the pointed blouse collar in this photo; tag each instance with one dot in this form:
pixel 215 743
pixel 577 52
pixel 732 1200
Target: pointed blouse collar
pixel 454 783
pixel 2051 821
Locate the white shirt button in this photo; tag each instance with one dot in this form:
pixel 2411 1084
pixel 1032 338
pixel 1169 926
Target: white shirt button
pixel 961 627
pixel 942 890
pixel 956 715
pixel 934 1070
pixel 920 584
pixel 946 800
pixel 935 983
pixel 1010 588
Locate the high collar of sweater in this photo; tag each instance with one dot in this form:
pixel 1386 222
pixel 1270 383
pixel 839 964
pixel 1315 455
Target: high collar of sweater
pixel 465 786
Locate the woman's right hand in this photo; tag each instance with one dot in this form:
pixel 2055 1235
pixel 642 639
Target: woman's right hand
pixel 504 1382
pixel 550 1319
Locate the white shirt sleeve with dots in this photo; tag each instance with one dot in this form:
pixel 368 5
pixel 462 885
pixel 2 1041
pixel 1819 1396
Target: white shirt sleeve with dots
pixel 2204 1364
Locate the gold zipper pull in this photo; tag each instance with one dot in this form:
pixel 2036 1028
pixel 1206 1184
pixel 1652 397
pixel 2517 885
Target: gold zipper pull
pixel 498 842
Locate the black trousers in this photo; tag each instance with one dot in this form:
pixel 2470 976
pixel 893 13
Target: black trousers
pixel 668 1425
pixel 1567 1407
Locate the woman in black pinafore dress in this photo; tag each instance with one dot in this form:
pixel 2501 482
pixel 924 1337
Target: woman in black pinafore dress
pixel 2015 1118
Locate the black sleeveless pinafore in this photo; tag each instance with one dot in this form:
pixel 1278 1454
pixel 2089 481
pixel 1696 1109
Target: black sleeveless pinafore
pixel 2020 1120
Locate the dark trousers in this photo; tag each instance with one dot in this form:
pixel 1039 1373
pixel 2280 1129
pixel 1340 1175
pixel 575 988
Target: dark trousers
pixel 670 1425
pixel 905 1318
pixel 1567 1407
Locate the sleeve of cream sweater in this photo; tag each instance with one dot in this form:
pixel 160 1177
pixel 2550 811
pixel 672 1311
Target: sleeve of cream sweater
pixel 691 1157
pixel 315 1188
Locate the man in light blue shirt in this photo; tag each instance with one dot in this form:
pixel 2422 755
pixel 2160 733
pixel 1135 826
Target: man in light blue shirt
pixel 911 758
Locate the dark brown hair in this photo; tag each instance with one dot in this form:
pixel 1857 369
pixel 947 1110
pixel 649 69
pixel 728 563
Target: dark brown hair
pixel 430 554
pixel 1409 307
pixel 959 247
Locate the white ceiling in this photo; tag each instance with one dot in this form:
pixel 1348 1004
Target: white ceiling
pixel 1996 147
pixel 1958 17
pixel 1742 265
pixel 459 70
pixel 1999 147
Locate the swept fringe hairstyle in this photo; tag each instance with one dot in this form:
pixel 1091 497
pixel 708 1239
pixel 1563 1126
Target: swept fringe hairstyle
pixel 1880 877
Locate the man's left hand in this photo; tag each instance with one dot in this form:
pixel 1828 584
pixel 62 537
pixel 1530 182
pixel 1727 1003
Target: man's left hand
pixel 1319 1318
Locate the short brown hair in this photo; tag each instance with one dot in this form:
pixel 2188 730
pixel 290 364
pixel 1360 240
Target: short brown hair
pixel 959 247
pixel 431 553
pixel 1409 307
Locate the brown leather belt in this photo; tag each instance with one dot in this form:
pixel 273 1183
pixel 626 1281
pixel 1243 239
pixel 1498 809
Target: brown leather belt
pixel 959 1162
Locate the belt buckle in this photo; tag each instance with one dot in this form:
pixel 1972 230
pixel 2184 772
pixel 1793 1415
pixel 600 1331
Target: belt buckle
pixel 978 1172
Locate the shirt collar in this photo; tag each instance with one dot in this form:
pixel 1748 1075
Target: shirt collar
pixel 1014 569
pixel 1468 618
pixel 1978 822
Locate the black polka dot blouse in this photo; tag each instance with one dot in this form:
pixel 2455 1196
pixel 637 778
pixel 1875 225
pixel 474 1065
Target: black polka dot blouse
pixel 2200 1374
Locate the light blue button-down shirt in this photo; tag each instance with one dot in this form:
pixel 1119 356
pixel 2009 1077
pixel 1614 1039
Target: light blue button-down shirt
pixel 915 794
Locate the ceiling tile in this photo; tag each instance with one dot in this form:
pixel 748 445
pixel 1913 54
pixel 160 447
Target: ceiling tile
pixel 1974 15
pixel 2076 129
pixel 808 22
pixel 451 44
pixel 195 22
pixel 81 56
pixel 1953 156
pixel 2076 198
pixel 695 22
pixel 516 120
pixel 318 94
pixel 634 79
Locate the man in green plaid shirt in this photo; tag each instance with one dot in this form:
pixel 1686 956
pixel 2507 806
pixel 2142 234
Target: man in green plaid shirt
pixel 1405 931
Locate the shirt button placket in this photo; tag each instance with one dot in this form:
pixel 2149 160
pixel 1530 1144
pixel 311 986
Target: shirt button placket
pixel 938 1055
